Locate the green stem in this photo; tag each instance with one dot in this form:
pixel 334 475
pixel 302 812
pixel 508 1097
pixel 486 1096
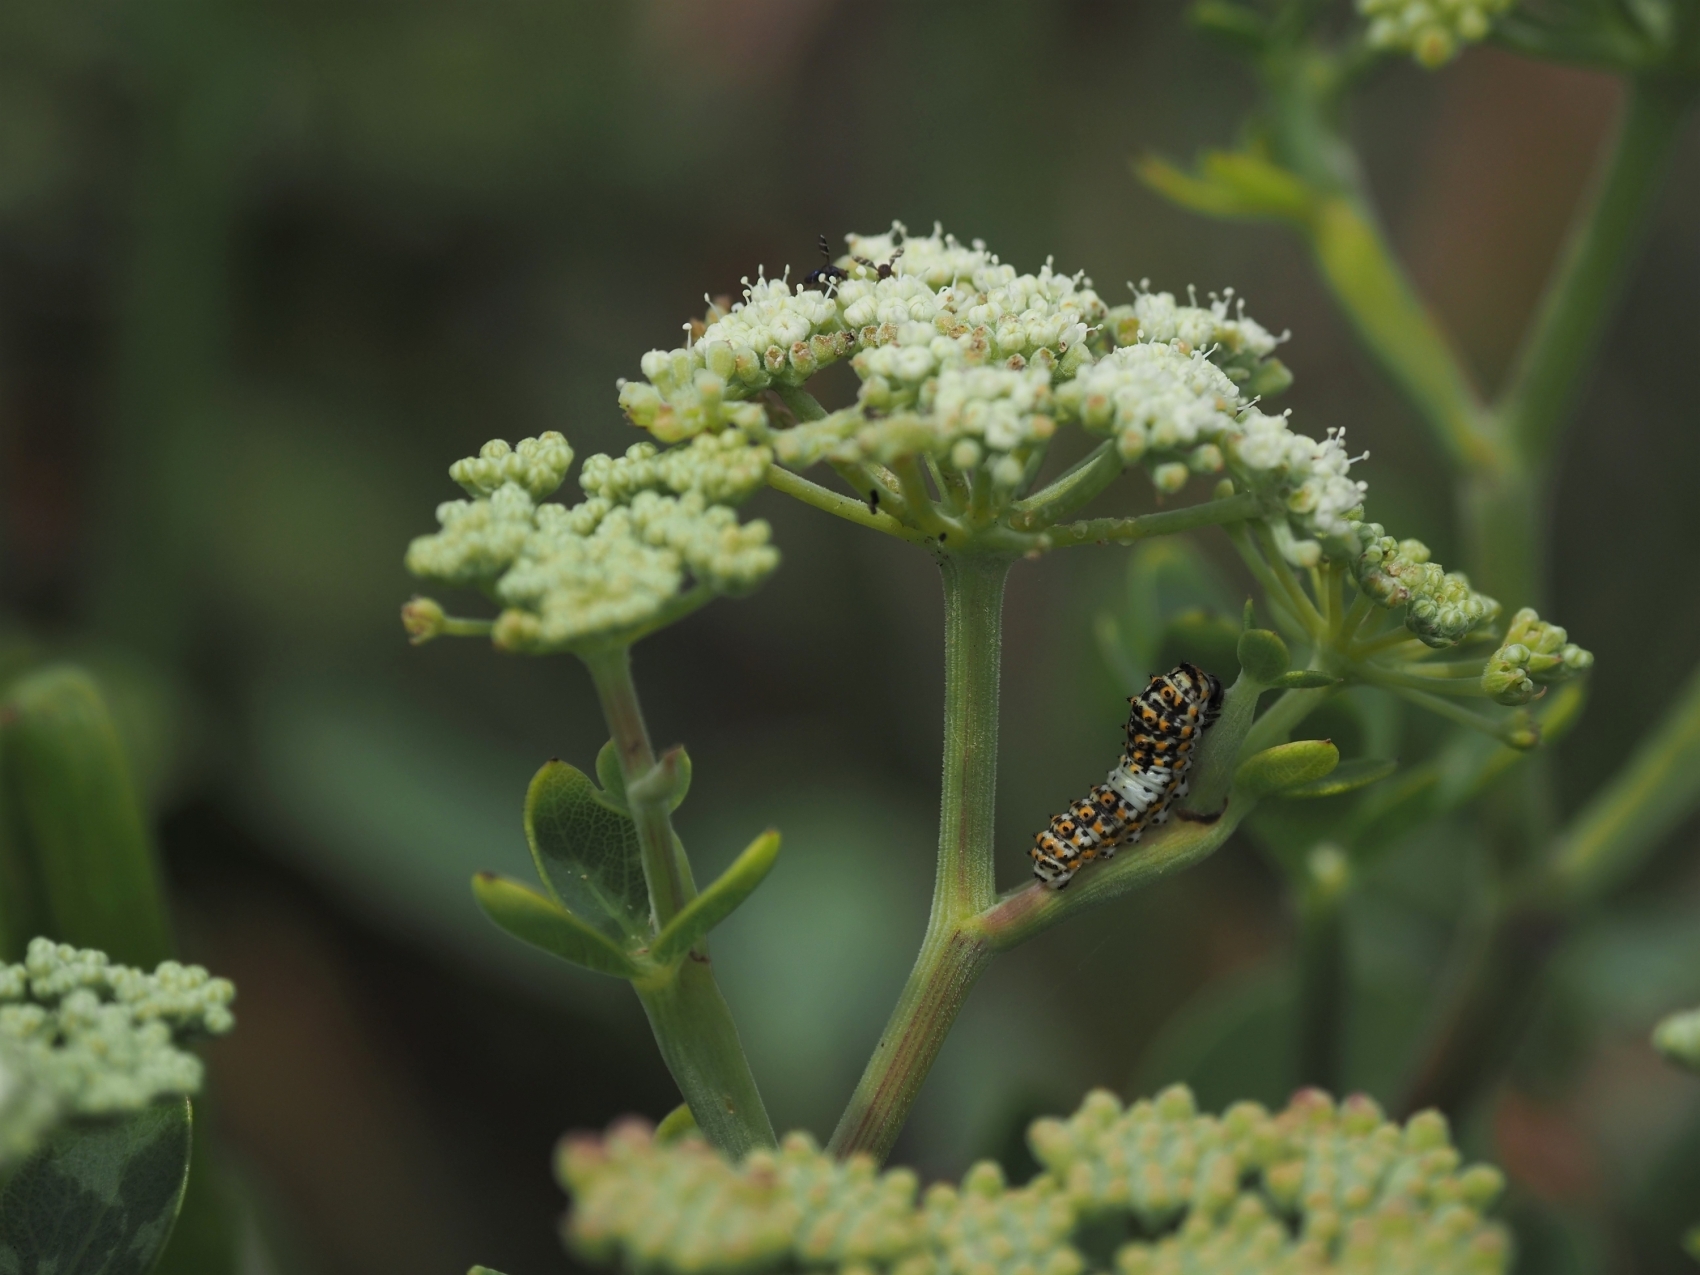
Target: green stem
pixel 1123 531
pixel 699 1042
pixel 1396 328
pixel 952 955
pixel 1322 974
pixel 1080 483
pixel 824 498
pixel 693 1026
pixel 1559 347
pixel 664 868
pixel 1282 717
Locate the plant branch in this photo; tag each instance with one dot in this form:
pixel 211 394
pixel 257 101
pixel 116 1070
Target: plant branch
pixel 1104 531
pixel 841 506
pixel 693 1026
pixel 951 958
pixel 1074 488
pixel 1559 347
pixel 1397 329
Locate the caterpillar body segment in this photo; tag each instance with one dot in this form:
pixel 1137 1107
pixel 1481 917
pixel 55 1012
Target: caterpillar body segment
pixel 1167 720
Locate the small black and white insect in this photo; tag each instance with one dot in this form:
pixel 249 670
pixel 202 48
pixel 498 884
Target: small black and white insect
pixel 1167 720
pixel 825 276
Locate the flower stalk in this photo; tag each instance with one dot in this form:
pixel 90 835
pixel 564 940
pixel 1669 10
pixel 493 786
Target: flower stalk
pixel 690 1018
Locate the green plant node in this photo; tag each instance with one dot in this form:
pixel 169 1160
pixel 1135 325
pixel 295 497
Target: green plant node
pixel 1318 1187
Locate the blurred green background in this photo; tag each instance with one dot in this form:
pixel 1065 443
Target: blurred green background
pixel 267 268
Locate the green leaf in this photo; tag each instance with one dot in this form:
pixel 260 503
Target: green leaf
pixel 586 850
pixel 1264 655
pixel 1286 765
pixel 483 1270
pixel 612 778
pixel 542 922
pixel 78 820
pixel 100 1198
pixel 1348 776
pixel 669 781
pixel 676 1124
pixel 716 903
pixel 1242 29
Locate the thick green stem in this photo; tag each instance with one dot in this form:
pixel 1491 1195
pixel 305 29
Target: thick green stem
pixel 952 955
pixel 1559 348
pixel 1322 967
pixel 973 660
pixel 699 1042
pixel 1395 326
pixel 693 1025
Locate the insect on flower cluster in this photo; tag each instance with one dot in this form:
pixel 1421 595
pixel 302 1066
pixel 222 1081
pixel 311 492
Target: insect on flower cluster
pixel 1168 719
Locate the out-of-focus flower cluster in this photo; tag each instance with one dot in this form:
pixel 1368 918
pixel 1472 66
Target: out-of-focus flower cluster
pixel 80 1036
pixel 1431 31
pixel 1311 1189
pixel 1677 1037
pixel 657 532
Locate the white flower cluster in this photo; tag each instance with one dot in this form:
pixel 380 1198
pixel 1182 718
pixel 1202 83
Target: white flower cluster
pixel 655 524
pixel 1440 606
pixel 1181 413
pixel 96 1039
pixel 1431 31
pixel 1237 343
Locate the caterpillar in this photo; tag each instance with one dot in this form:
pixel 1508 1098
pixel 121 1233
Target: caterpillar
pixel 1163 729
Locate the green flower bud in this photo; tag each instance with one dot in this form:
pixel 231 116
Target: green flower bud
pixel 1441 608
pixel 1534 654
pixel 537 465
pixel 1678 1039
pixel 424 619
pixel 1263 655
pixel 1169 478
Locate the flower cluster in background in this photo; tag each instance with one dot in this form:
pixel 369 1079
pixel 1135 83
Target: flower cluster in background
pixel 82 1037
pixel 1431 31
pixel 1316 1187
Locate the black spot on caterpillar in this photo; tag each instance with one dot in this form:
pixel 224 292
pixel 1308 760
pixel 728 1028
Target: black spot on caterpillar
pixel 1163 729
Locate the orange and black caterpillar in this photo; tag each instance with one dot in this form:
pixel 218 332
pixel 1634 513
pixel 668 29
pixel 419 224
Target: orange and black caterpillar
pixel 1168 719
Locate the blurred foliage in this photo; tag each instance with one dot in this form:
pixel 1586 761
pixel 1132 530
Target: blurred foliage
pixel 263 266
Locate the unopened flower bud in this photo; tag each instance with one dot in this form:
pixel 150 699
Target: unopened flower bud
pixel 1169 477
pixel 423 618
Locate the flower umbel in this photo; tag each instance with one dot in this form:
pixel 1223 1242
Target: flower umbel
pixel 657 536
